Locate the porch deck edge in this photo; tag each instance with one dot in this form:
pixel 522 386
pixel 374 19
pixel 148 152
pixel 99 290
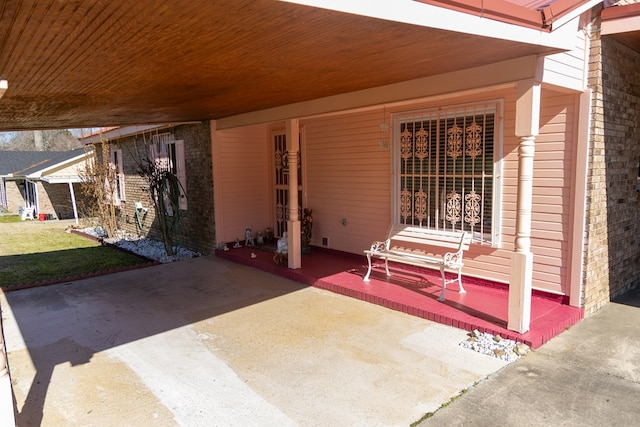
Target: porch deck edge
pixel 542 330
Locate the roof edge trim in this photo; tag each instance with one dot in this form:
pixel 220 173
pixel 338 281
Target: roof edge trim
pixel 131 130
pixel 542 18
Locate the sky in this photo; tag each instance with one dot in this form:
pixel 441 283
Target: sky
pixel 7 136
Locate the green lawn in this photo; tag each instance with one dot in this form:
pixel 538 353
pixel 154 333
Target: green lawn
pixel 32 251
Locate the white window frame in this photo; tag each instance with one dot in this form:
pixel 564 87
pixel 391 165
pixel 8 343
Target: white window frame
pixel 169 154
pixel 117 193
pixel 488 237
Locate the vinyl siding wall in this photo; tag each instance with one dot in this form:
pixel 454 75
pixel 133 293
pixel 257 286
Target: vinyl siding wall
pixel 242 181
pixel 74 170
pixel 566 69
pixel 349 176
pixel 347 168
pixel 552 195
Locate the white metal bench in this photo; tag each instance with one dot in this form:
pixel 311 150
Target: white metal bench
pixel 422 247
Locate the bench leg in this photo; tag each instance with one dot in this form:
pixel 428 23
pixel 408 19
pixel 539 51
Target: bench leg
pixel 444 284
pixel 366 276
pixel 461 291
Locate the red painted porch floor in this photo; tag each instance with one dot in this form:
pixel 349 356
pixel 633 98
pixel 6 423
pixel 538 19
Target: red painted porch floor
pixel 415 291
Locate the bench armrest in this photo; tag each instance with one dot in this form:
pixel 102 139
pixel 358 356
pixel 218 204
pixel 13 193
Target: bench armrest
pixel 452 257
pixel 379 246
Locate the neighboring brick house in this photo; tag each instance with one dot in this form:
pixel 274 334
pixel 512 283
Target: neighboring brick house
pixel 48 181
pixel 187 148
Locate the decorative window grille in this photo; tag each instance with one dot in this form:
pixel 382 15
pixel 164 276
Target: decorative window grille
pixel 445 162
pixel 282 170
pixel 168 155
pixel 161 151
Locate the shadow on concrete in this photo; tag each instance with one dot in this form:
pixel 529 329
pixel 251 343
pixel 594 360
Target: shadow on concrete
pixel 71 322
pixel 630 298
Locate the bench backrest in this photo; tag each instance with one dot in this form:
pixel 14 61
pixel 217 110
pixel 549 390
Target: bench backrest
pixel 417 238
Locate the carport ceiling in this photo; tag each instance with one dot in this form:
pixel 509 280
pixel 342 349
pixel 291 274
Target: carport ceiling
pixel 86 63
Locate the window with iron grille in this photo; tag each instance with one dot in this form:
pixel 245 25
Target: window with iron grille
pixel 168 155
pixel 446 169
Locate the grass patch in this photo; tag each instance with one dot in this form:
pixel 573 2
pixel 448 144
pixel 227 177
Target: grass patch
pixel 9 218
pixel 444 405
pixel 42 251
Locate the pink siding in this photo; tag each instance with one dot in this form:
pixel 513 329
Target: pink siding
pixel 348 175
pixel 552 193
pixel 241 188
pixel 566 69
pixel 552 198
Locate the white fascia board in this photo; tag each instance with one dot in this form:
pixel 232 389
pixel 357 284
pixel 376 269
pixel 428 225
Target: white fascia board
pixel 124 131
pixel 425 15
pixel 4 85
pixel 36 176
pixel 61 179
pixel 569 17
pixel 621 25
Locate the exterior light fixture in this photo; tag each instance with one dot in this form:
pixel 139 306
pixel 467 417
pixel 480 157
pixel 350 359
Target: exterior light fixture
pixel 4 85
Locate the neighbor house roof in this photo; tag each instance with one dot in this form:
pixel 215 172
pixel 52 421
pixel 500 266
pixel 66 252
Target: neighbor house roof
pixel 33 164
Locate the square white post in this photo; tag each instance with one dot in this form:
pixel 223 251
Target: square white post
pixel 293 225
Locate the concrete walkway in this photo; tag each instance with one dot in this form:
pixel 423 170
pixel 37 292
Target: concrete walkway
pixel 587 376
pixel 206 342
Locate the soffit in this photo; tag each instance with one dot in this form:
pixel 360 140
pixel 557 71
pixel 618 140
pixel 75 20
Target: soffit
pixel 88 63
pixel 623 24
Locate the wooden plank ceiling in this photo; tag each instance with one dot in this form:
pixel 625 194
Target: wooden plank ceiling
pixel 85 63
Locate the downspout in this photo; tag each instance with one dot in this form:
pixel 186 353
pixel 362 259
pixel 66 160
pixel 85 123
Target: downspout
pixel 579 213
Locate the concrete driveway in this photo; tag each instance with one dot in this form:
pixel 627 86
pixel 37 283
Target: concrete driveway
pixel 207 342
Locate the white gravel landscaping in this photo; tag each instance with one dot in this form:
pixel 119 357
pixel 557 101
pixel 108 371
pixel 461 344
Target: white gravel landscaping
pixel 143 246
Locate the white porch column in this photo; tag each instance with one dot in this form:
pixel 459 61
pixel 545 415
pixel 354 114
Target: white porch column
pixel 520 278
pixel 293 225
pixel 73 202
